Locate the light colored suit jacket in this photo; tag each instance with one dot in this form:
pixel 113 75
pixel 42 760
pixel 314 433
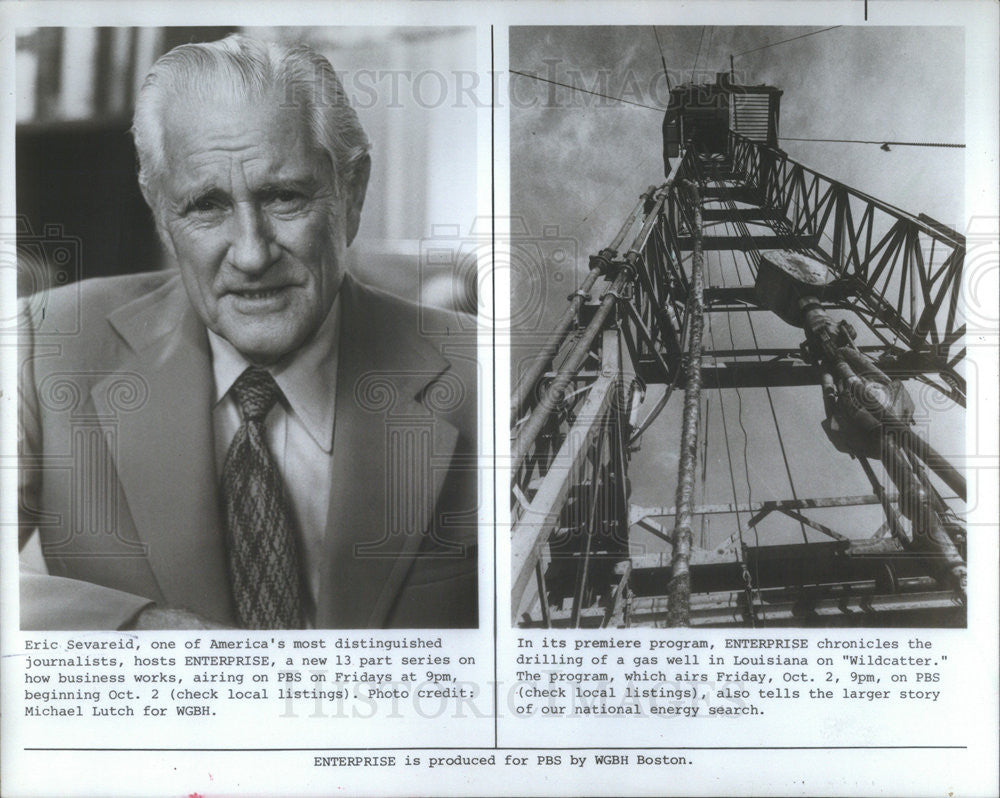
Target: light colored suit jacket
pixel 118 469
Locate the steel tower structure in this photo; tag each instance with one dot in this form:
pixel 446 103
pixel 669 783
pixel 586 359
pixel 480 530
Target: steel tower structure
pixel 825 287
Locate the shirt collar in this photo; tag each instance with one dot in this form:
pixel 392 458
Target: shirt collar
pixel 307 380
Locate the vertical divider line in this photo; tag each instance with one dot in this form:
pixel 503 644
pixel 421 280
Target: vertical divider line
pixel 493 360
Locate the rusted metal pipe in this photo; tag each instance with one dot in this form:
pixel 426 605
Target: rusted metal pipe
pixel 541 518
pixel 817 324
pixel 599 264
pixel 936 462
pixel 679 587
pixel 886 500
pixel 543 359
pixel 553 396
pixel 917 503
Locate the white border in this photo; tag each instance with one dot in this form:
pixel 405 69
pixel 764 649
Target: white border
pixel 969 772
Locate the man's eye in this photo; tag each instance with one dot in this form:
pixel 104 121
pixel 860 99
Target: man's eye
pixel 206 205
pixel 287 199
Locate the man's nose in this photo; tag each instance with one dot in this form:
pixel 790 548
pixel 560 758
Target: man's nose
pixel 252 247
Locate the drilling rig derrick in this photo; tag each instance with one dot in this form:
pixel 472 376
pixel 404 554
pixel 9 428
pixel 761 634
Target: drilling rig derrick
pixel 834 295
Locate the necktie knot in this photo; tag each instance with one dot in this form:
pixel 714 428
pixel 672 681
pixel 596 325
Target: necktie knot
pixel 256 393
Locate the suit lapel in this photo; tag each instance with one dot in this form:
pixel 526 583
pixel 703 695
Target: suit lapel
pixel 390 455
pixel 165 450
pixel 385 441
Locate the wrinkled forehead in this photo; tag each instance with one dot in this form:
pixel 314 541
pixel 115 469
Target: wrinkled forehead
pixel 281 97
pixel 252 129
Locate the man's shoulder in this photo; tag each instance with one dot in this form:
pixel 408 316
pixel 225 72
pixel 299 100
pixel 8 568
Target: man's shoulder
pixel 439 339
pixel 79 326
pixel 85 304
pixel 450 333
pixel 422 319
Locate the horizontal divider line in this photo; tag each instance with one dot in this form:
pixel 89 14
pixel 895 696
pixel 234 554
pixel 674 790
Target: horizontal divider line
pixel 550 748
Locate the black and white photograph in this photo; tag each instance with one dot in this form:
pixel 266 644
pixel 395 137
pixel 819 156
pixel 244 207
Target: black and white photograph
pixel 540 398
pixel 739 391
pixel 248 387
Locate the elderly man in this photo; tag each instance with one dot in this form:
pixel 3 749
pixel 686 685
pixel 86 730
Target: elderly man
pixel 251 439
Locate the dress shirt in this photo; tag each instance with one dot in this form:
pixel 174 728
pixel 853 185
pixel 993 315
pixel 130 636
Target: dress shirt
pixel 299 432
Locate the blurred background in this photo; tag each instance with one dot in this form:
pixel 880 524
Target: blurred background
pixel 79 207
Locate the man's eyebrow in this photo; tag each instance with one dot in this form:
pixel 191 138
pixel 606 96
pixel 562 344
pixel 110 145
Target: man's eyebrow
pixel 206 190
pixel 198 190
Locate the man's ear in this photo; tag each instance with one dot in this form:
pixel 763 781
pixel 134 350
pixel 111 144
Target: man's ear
pixel 149 194
pixel 161 230
pixel 355 199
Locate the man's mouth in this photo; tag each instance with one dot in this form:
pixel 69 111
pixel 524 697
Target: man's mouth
pixel 261 293
pixel 261 300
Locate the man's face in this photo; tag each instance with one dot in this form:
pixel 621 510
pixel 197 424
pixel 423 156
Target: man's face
pixel 250 211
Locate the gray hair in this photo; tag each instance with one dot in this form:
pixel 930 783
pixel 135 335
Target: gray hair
pixel 247 68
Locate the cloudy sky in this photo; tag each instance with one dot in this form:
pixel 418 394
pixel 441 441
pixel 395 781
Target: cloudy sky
pixel 578 162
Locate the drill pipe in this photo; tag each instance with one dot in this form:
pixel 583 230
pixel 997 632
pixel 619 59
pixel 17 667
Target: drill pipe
pixel 679 588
